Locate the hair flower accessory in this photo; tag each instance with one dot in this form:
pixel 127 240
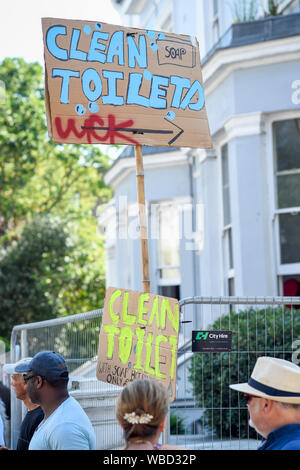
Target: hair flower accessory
pixel 133 418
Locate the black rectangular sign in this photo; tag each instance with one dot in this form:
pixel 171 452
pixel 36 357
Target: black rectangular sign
pixel 211 341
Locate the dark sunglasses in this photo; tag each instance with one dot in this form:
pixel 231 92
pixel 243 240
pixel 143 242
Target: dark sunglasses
pixel 249 398
pixel 28 377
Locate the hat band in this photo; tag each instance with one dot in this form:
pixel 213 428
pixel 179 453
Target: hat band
pixel 270 390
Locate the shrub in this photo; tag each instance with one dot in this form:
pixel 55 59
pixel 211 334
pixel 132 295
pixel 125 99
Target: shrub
pixel 176 424
pixel 264 332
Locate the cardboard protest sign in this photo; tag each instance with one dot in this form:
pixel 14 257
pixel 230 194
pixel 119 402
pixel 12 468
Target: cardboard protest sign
pixel 113 85
pixel 138 338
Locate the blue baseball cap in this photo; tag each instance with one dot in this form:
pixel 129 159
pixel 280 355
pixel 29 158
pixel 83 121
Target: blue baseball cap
pixel 48 364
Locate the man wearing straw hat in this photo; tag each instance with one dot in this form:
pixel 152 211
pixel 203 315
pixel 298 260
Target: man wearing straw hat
pixel 273 400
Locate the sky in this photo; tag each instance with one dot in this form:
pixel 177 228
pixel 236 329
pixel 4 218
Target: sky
pixel 21 28
pixel 20 22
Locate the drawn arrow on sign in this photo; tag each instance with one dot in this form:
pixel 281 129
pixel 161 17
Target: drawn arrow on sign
pixel 140 131
pixel 181 131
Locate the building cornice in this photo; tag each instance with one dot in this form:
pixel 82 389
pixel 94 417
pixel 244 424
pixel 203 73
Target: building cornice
pixel 126 165
pixel 226 61
pixel 243 125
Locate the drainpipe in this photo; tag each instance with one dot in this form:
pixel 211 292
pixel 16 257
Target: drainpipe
pixel 196 274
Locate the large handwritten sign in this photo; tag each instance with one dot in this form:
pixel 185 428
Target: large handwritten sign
pixel 138 338
pixel 114 85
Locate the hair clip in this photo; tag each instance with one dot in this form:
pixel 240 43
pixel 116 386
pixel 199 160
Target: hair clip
pixel 133 418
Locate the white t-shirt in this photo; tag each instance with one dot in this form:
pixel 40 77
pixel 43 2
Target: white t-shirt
pixel 67 428
pixel 1 432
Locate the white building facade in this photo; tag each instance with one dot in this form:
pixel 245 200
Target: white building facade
pixel 224 221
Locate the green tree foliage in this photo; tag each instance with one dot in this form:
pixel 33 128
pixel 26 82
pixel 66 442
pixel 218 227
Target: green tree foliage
pixel 265 332
pixel 177 425
pixel 37 176
pixel 31 274
pixel 40 180
pixel 22 132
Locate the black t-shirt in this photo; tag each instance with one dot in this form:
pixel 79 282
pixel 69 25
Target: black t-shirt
pixel 5 395
pixel 29 424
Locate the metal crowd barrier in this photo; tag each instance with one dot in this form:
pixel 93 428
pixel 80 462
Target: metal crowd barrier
pixel 206 413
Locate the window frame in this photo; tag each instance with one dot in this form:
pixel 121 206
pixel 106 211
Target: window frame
pixel 228 271
pixel 160 282
pixel 287 268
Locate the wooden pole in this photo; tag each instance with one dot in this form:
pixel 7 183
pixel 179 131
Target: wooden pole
pixel 142 218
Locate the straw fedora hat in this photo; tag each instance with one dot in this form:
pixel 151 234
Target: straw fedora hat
pixel 273 378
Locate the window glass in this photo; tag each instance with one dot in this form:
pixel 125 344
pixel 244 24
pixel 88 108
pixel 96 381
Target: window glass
pixel 287 165
pixel 291 286
pixel 168 243
pixel 170 291
pixel 289 238
pixel 287 143
pixel 216 7
pixel 288 190
pixel 169 273
pixel 225 186
pixel 230 249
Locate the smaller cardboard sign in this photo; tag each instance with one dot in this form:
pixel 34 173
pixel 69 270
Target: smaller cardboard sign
pixel 138 338
pixel 211 341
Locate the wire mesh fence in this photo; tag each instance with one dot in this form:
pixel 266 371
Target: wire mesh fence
pixel 206 413
pixel 76 338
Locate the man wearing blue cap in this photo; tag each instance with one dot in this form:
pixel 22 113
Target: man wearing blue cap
pixel 65 426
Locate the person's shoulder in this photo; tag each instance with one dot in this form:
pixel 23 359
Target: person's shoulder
pixel 74 410
pixel 37 416
pixel 293 444
pixel 35 412
pixel 290 437
pixel 71 436
pixel 71 402
pixel 68 407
